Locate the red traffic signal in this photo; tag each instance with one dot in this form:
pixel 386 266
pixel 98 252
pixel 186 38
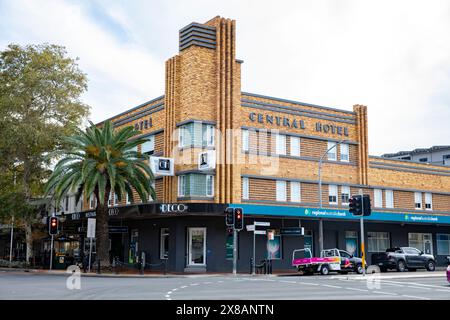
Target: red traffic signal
pixel 53 226
pixel 238 218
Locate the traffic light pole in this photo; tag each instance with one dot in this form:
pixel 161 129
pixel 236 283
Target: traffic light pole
pixel 51 254
pixel 234 251
pixel 363 253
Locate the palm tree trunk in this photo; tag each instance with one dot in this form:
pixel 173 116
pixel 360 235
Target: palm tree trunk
pixel 102 235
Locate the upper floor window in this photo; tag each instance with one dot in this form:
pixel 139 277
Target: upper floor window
pixel 295 146
pixel 196 134
pixel 428 201
pixel 148 147
pixel 195 185
pixel 331 147
pixel 345 195
pixel 112 199
pixel 92 202
pixel 344 148
pixel 127 199
pixel 332 194
pixel 66 209
pixel 245 140
pixel 295 191
pixel 418 200
pixel 389 198
pixel 423 160
pixel 280 142
pixel 377 198
pixel 281 190
pixel 245 188
pixel 208 135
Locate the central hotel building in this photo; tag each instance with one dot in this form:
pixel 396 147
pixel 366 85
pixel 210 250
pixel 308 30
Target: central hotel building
pixel 266 154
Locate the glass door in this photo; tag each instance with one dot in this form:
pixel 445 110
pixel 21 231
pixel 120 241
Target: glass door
pixel 197 247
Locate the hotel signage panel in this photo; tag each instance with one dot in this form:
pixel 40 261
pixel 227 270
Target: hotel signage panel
pixel 297 123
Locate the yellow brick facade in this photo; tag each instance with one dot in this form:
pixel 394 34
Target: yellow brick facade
pixel 204 84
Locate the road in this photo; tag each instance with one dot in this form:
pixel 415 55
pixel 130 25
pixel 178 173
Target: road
pixel 15 285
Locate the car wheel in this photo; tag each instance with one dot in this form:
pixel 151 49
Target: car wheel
pixel 359 269
pixel 431 266
pixel 401 266
pixel 324 270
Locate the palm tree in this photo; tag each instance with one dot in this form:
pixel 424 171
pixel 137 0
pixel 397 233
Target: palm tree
pixel 96 162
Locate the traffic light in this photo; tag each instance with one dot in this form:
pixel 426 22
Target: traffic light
pixel 238 218
pixel 360 205
pixel 229 217
pixel 53 226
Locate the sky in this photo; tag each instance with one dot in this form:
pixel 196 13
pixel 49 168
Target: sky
pixel 392 56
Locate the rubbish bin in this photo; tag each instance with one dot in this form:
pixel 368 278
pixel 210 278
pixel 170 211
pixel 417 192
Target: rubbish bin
pixel 59 261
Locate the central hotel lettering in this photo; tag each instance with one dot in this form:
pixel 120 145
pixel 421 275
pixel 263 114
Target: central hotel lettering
pixel 185 224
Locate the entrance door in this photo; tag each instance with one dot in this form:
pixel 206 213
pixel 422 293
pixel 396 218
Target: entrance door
pixel 196 247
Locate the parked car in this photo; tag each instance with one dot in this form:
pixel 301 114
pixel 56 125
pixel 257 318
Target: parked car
pixel 350 263
pixel 403 258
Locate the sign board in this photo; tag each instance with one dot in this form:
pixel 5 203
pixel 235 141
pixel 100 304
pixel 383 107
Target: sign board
pixel 262 224
pixel 207 160
pixel 118 229
pixel 162 166
pixel 91 228
pixel 250 227
pixel 260 231
pixel 300 231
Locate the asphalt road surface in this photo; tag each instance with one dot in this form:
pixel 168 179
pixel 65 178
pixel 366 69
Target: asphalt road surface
pixel 16 285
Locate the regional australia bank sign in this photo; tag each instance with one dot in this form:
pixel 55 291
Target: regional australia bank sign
pixel 296 123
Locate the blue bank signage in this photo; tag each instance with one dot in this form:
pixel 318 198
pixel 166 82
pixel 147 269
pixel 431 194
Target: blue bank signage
pixel 253 209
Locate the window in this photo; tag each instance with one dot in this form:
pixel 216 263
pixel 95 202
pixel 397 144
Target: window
pixel 421 241
pixel 281 190
pixel 92 202
pixel 377 198
pixel 195 185
pixel 446 159
pixel 164 244
pixel 423 160
pixel 378 241
pixel 182 139
pixel 181 185
pixel 418 200
pixel 295 191
pixel 389 197
pixel 344 152
pixel 209 186
pixel 148 147
pixel 295 146
pixel 280 142
pixel 345 195
pixel 331 147
pixel 245 140
pixel 428 201
pixel 332 194
pixel 208 135
pixel 110 200
pixel 127 198
pixel 245 188
pixel 67 204
pixel 443 244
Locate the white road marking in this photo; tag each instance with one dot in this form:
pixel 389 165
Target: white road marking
pixel 412 283
pixel 393 284
pixel 285 281
pixel 356 289
pixel 386 293
pixel 330 286
pixel 175 289
pixel 194 284
pixel 415 297
pixel 220 281
pixel 309 283
pixel 182 287
pixel 416 287
pixel 442 290
pixel 167 296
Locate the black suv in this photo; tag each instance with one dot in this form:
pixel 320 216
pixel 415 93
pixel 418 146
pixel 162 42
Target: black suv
pixel 403 258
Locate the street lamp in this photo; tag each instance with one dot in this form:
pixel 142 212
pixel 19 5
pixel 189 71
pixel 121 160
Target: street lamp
pixel 320 190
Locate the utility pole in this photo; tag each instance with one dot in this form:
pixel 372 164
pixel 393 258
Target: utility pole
pixel 235 233
pixel 363 253
pixel 11 241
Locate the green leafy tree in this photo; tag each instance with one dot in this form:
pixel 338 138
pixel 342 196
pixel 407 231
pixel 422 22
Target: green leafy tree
pixel 40 90
pixel 97 162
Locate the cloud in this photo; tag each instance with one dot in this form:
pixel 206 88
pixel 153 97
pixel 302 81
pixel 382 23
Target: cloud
pixel 393 56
